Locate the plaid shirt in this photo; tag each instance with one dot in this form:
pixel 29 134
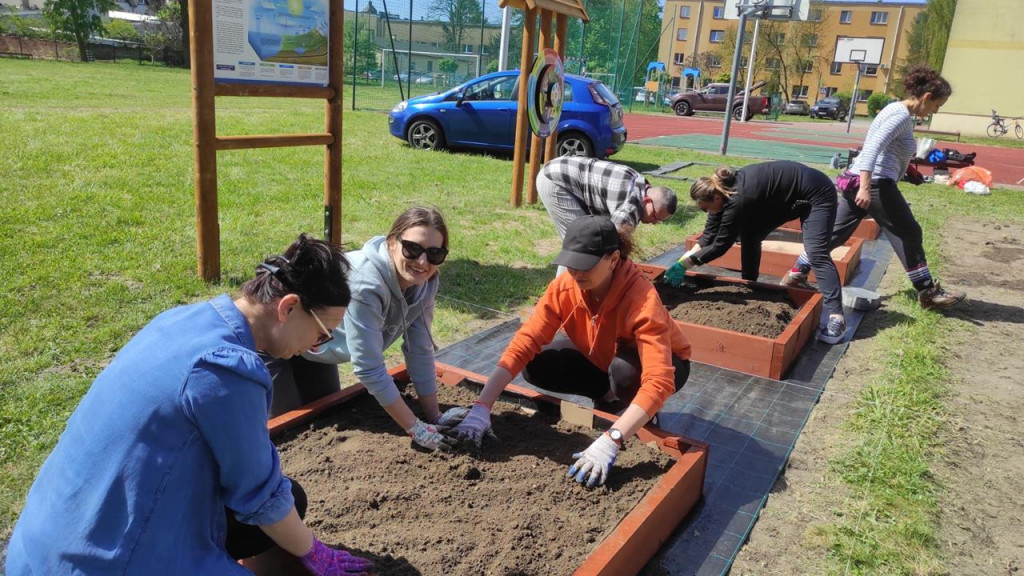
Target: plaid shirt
pixel 600 187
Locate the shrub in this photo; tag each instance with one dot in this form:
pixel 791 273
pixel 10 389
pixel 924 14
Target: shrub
pixel 876 102
pixel 844 99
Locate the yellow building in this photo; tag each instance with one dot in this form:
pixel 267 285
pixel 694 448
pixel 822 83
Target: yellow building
pixel 699 26
pixel 984 50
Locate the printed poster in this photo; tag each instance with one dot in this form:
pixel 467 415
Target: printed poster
pixel 270 41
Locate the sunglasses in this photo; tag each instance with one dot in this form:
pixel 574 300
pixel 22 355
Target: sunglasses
pixel 412 251
pixel 326 336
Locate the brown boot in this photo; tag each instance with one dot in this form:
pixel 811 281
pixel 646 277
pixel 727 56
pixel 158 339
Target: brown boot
pixel 936 297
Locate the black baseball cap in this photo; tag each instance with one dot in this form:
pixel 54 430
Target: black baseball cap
pixel 587 240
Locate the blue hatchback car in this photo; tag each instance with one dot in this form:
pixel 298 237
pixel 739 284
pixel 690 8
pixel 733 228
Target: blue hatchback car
pixel 481 113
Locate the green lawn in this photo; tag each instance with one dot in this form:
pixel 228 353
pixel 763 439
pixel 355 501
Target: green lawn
pixel 98 236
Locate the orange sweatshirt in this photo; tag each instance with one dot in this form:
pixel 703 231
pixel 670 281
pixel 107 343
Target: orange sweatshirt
pixel 632 312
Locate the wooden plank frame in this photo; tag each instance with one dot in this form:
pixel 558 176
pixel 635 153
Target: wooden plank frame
pixel 868 229
pixel 207 143
pixel 746 353
pixel 778 263
pixel 639 534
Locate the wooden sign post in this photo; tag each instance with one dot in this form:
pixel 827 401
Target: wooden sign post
pixel 207 143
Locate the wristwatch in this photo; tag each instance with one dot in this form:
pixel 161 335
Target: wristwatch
pixel 616 436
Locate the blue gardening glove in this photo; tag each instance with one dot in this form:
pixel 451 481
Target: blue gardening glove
pixel 426 435
pixel 324 561
pixel 593 464
pixel 474 427
pixel 676 273
pixel 451 418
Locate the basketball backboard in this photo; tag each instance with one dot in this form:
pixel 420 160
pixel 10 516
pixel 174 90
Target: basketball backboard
pixel 850 50
pixel 775 9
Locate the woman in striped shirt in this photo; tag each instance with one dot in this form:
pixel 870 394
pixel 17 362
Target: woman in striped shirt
pixel 883 160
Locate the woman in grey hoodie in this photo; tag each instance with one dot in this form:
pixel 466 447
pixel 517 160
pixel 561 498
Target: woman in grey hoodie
pixel 394 280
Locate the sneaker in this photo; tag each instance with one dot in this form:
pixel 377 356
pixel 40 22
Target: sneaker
pixel 796 280
pixel 834 331
pixel 936 297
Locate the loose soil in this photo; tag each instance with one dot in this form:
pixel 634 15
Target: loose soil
pixel 760 312
pixel 982 506
pixel 507 510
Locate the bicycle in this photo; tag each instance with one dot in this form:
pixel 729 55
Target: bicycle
pixel 998 127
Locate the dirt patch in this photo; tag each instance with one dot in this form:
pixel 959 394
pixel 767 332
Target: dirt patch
pixel 508 510
pixel 760 312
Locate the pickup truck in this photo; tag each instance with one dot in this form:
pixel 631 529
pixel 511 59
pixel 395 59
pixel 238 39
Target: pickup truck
pixel 712 98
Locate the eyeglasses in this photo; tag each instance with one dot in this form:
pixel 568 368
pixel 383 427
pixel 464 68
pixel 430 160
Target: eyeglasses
pixel 324 338
pixel 412 251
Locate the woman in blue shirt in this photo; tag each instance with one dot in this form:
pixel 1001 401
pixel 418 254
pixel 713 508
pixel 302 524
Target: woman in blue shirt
pixel 394 281
pixel 165 466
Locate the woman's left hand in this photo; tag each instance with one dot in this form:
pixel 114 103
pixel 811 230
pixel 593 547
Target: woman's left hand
pixel 595 463
pixel 451 418
pixel 426 435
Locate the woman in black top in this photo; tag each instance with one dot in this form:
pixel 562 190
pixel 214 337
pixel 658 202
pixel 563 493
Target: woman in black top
pixel 748 204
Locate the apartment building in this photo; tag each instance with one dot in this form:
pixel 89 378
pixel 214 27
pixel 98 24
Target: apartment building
pixel 700 35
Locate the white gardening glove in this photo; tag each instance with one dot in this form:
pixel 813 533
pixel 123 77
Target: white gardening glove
pixel 690 252
pixel 593 464
pixel 426 435
pixel 451 418
pixel 474 427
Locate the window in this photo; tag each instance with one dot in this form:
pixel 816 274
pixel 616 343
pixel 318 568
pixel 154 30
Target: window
pixel 810 40
pixel 717 36
pixel 682 33
pixel 837 68
pixel 684 12
pixel 679 59
pixel 845 17
pixel 718 13
pixel 814 15
pixel 743 61
pixel 773 64
pixel 494 89
pixel 715 61
pixel 780 38
pixel 880 18
pixel 870 70
pixel 828 91
pixel 808 67
pixel 863 95
pixel 799 92
pixel 467 48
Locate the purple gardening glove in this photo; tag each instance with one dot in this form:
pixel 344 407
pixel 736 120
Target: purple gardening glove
pixel 324 561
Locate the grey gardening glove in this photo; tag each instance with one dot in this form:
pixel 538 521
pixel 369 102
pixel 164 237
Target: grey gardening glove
pixel 474 428
pixel 426 435
pixel 593 464
pixel 451 418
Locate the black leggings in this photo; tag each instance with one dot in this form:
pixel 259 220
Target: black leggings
pixel 298 382
pixel 248 540
pixel 561 368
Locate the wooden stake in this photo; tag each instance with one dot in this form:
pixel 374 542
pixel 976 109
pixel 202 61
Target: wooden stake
pixel 537 144
pixel 204 136
pixel 522 121
pixel 332 155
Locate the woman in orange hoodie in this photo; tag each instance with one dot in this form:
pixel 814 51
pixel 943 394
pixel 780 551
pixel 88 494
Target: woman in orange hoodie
pixel 621 348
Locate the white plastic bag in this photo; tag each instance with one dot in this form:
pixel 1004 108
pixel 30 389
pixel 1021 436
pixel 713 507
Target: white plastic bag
pixel 975 187
pixel 924 146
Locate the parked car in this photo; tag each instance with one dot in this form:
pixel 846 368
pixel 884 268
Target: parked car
pixel 713 98
pixel 405 76
pixel 670 96
pixel 796 108
pixel 481 113
pixel 830 107
pixel 424 79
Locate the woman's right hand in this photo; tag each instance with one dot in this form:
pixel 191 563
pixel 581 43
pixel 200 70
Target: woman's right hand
pixel 324 561
pixel 863 198
pixel 474 427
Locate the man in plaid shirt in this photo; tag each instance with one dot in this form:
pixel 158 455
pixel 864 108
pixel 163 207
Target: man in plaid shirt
pixel 574 186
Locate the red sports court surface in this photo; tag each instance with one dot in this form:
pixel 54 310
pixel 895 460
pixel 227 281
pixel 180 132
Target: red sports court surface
pixel 1006 164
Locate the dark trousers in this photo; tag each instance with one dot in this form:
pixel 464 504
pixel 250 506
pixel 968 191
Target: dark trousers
pixel 817 228
pixel 891 211
pixel 298 382
pixel 561 368
pixel 247 540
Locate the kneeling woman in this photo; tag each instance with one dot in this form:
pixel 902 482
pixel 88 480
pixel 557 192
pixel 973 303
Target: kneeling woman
pixel 166 467
pixel 748 204
pixel 394 281
pixel 621 347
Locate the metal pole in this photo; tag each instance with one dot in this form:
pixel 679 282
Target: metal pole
pixel 355 50
pixel 622 16
pixel 408 66
pixel 480 50
pixel 750 67
pixel 506 25
pixel 732 83
pixel 583 40
pixel 853 100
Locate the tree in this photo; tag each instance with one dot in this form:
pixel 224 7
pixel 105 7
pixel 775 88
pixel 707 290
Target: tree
pixel 927 39
pixel 121 30
pixel 77 18
pixel 359 45
pixel 163 35
pixel 456 17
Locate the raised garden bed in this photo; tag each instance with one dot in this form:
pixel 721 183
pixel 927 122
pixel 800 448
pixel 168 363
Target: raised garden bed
pixel 734 349
pixel 508 510
pixel 778 257
pixel 868 229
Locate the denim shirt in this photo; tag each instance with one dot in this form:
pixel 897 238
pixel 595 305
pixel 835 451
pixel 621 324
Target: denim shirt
pixel 171 432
